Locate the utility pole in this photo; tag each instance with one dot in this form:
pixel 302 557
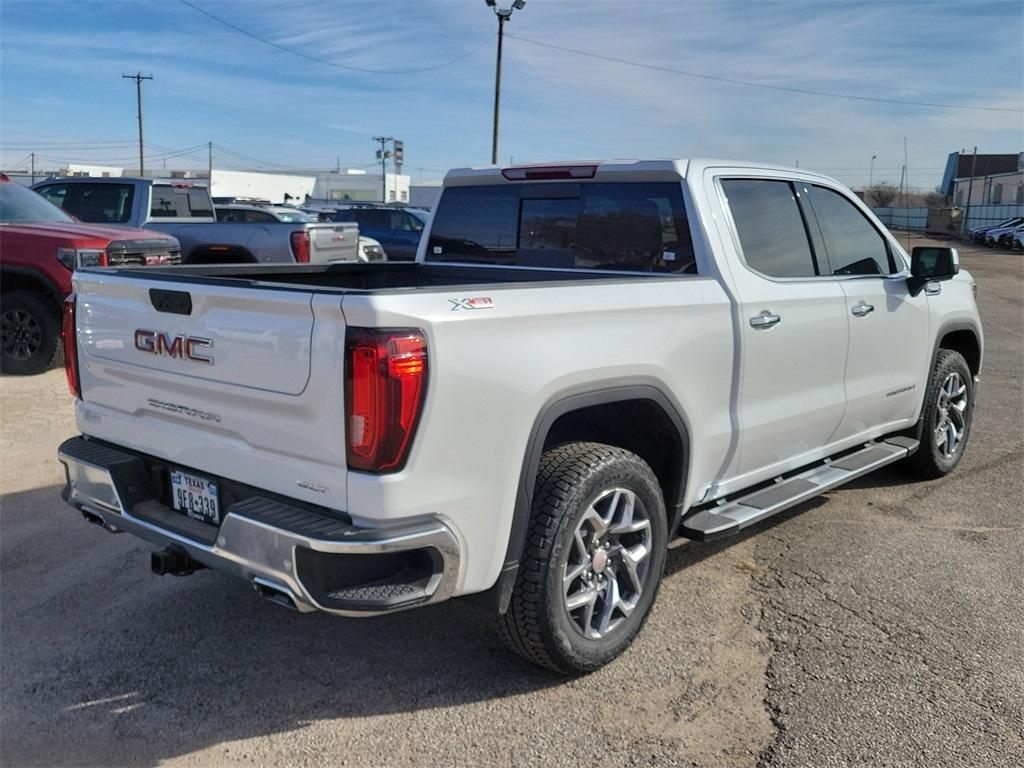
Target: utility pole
pixel 970 190
pixel 33 167
pixel 383 155
pixel 138 77
pixel 871 172
pixel 209 164
pixel 503 14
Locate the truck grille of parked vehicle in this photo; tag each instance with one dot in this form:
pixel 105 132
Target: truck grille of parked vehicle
pixel 142 253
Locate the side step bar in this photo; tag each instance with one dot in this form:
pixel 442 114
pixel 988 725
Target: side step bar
pixel 733 516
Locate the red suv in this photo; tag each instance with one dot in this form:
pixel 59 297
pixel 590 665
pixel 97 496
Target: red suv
pixel 40 246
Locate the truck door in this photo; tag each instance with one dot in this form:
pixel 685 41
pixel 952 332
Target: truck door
pixel 889 349
pixel 792 328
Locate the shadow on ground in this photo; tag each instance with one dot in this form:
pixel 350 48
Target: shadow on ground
pixel 143 668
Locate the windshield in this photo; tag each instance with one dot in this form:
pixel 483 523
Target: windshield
pixel 19 205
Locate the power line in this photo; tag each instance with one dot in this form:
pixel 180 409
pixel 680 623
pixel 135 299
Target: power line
pixel 335 64
pixel 734 81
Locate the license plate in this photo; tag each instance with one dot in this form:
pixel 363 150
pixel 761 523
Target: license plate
pixel 197 497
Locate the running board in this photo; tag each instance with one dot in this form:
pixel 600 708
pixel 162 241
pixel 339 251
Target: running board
pixel 733 516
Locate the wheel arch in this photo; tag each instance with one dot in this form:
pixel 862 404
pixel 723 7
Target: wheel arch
pixel 962 337
pixel 630 410
pixel 14 279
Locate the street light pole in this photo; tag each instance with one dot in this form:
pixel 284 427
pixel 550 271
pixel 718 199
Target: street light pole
pixel 503 14
pixel 497 91
pixel 871 172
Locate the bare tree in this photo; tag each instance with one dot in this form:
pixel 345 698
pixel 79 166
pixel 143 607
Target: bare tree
pixel 935 198
pixel 881 195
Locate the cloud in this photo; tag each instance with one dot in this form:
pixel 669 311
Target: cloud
pixel 217 84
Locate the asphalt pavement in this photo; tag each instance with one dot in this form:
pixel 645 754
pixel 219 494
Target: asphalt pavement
pixel 879 625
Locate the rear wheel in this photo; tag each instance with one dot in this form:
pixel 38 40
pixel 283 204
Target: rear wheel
pixel 594 558
pixel 948 409
pixel 29 333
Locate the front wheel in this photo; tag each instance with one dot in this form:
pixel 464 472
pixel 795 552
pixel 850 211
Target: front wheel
pixel 948 409
pixel 29 333
pixel 594 557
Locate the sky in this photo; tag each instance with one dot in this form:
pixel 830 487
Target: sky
pixel 63 97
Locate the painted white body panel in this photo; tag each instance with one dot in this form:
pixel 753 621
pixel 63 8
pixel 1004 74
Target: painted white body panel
pixel 756 403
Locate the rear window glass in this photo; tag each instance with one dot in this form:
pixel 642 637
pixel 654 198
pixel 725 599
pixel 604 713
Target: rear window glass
pixel 93 203
pixel 770 226
pixel 180 203
pixel 628 226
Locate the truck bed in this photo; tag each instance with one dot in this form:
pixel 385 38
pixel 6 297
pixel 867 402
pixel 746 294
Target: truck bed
pixel 392 276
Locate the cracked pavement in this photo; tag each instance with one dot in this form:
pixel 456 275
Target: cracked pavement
pixel 879 625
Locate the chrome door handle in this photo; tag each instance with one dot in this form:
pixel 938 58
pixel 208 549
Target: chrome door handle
pixel 862 309
pixel 765 320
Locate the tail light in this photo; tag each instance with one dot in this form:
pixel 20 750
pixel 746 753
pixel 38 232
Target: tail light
pixel 386 376
pixel 300 247
pixel 70 347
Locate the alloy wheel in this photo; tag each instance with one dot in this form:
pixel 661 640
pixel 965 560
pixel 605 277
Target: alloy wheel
pixel 21 335
pixel 607 563
pixel 950 421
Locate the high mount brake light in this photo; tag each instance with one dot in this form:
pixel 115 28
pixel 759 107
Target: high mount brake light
pixel 70 346
pixel 549 172
pixel 300 247
pixel 385 382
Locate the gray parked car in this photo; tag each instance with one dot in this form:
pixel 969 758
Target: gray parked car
pixel 254 213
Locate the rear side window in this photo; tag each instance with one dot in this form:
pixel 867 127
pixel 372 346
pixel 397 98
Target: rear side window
pixel 855 247
pixel 180 203
pixel 770 227
pixel 93 203
pixel 626 226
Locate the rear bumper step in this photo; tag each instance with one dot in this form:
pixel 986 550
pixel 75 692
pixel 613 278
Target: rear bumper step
pixel 292 555
pixel 733 516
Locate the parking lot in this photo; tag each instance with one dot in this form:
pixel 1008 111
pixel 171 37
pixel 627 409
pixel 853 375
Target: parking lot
pixel 882 624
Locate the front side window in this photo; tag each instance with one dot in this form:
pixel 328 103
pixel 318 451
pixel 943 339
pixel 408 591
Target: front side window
pixel 855 247
pixel 771 228
pixel 631 226
pixel 55 193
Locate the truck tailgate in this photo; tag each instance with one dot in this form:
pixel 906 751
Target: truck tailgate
pixel 228 385
pixel 333 242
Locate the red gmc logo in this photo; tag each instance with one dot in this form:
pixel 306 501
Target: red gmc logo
pixel 180 347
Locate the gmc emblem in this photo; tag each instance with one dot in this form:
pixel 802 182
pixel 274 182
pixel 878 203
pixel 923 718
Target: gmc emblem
pixel 180 347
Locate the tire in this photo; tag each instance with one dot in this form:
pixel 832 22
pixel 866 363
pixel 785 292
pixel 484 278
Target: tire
pixel 949 408
pixel 29 333
pixel 580 489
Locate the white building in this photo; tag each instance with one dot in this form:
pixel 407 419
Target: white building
pixel 274 187
pixel 360 186
pixel 78 169
pixel 995 189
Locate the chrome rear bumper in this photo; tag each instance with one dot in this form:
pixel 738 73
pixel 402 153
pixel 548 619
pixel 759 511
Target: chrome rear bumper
pixel 294 555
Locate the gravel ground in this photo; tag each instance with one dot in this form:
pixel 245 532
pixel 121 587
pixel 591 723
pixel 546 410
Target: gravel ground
pixel 879 625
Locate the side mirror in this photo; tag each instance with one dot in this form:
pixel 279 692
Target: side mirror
pixel 928 264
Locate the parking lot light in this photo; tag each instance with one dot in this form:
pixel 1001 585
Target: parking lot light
pixel 503 14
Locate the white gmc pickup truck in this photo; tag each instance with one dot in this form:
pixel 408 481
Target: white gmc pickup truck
pixel 583 362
